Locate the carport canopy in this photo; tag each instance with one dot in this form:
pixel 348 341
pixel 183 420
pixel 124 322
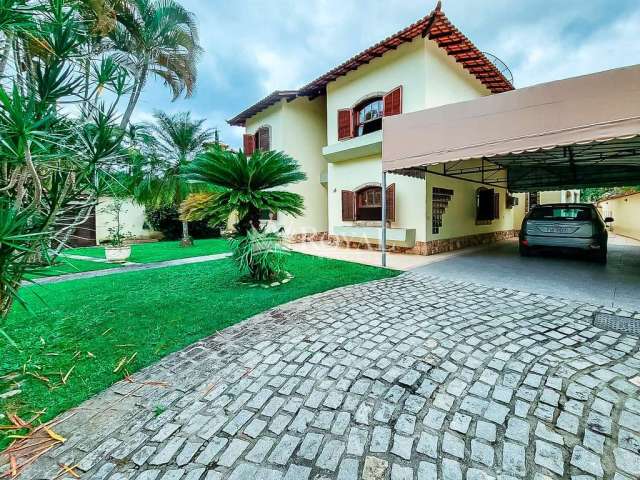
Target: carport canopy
pixel 574 133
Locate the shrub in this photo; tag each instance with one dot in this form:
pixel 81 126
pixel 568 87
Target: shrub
pixel 260 255
pixel 167 221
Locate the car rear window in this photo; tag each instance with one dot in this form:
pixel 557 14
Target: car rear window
pixel 561 213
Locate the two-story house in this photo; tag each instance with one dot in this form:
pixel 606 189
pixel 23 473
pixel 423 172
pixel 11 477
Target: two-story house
pixel 333 127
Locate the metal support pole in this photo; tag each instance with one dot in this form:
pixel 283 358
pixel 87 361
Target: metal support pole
pixel 383 244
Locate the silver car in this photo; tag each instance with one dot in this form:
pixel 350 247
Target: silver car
pixel 569 226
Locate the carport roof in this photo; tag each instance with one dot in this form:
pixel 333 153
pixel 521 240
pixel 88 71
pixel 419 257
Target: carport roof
pixel 577 132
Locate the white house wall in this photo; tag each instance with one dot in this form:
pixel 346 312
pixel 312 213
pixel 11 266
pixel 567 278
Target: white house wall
pixel 132 219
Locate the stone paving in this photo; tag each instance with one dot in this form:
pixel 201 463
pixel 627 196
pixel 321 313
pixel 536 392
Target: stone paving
pixel 405 378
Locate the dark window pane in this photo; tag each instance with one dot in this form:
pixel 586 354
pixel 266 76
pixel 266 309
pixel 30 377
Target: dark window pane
pixel 561 214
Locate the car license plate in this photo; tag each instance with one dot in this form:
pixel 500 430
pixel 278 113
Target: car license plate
pixel 559 230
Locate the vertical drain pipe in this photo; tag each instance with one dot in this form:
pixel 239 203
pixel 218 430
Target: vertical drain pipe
pixel 383 245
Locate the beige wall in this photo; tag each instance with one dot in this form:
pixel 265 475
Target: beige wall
pixel 131 218
pixel 446 80
pixel 626 214
pixel 459 219
pixel 560 196
pixel 299 129
pixel 405 66
pixel 410 193
pixel 429 77
pixel 519 211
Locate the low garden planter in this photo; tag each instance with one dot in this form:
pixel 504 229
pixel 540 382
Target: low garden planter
pixel 117 254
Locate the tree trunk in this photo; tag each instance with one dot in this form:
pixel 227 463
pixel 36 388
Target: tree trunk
pixel 7 296
pixel 186 241
pixel 6 51
pixel 135 95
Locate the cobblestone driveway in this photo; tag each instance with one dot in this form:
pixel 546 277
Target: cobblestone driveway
pixel 406 378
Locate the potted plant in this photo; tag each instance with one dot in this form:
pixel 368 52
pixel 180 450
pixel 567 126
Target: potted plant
pixel 116 251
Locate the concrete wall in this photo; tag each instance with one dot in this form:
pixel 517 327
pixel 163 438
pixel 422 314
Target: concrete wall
pixel 132 219
pixel 299 129
pixel 626 214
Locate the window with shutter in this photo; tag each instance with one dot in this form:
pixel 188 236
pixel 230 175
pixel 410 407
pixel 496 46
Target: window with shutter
pixel 263 139
pixel 249 144
pixel 391 202
pixel 485 204
pixel 345 124
pixel 393 102
pixel 348 206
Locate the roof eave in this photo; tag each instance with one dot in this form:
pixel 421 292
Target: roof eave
pixel 240 120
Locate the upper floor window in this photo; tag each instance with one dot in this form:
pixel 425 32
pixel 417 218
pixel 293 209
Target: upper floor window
pixel 366 117
pixel 261 140
pixel 369 116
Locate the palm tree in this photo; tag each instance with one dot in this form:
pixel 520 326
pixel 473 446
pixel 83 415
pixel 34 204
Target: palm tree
pixel 243 185
pixel 170 144
pixel 157 37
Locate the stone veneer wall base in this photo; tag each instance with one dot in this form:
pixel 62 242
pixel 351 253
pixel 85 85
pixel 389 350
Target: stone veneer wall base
pixel 308 237
pixel 434 246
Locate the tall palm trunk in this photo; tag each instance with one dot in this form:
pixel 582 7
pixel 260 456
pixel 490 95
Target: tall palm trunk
pixel 186 239
pixel 6 51
pixel 135 95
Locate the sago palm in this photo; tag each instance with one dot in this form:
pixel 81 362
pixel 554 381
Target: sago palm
pixel 170 144
pixel 243 185
pixel 157 37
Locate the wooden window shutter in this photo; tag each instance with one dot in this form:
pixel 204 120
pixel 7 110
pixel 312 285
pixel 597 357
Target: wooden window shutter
pixel 249 144
pixel 345 124
pixel 393 102
pixel 348 206
pixel 391 202
pixel 496 206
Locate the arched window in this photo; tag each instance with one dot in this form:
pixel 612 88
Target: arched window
pixel 368 116
pixel 369 203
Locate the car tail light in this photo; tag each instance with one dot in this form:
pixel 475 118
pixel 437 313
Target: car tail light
pixel 524 242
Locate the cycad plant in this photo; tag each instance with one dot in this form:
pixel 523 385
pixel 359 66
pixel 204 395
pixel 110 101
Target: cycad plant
pixel 170 143
pixel 244 186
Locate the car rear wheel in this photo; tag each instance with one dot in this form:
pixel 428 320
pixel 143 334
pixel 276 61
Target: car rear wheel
pixel 601 256
pixel 525 251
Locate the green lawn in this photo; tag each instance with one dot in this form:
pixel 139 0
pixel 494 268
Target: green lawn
pixel 160 251
pixel 90 325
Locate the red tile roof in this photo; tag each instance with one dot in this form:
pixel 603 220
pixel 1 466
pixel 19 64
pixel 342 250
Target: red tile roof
pixel 435 26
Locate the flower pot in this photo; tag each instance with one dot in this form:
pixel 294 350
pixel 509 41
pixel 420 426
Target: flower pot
pixel 117 254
